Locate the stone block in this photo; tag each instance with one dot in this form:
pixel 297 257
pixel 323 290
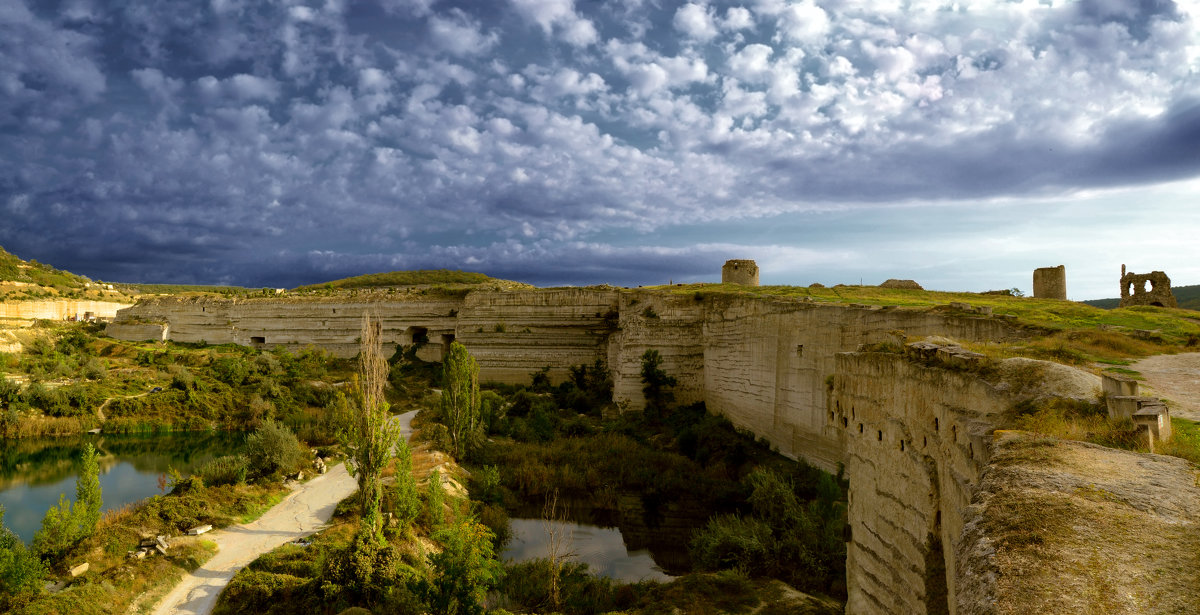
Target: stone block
pixel 1117 385
pixel 199 529
pixel 1156 418
pixel 1126 406
pixel 79 569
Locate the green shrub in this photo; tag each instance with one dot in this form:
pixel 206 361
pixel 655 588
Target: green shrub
pixel 273 449
pixel 732 541
pixel 21 572
pixel 227 470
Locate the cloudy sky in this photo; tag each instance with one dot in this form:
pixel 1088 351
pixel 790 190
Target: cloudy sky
pixel 274 143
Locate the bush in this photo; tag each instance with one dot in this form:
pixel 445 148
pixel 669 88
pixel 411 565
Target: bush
pixel 272 449
pixel 21 573
pixel 732 541
pixel 227 470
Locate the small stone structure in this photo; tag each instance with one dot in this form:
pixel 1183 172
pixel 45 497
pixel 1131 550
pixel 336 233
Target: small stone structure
pixel 1133 289
pixel 904 284
pixel 744 272
pixel 1050 283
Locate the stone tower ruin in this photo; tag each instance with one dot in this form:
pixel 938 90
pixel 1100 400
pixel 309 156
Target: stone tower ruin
pixel 744 272
pixel 1050 283
pixel 1133 289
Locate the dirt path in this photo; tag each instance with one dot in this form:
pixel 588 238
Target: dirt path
pixel 302 513
pixel 1175 377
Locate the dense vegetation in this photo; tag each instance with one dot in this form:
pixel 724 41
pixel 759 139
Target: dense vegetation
pixel 752 515
pixel 72 378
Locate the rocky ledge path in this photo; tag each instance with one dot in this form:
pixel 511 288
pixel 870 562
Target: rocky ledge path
pixel 305 511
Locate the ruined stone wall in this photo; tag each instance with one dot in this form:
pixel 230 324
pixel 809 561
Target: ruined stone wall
pixel 915 444
pixel 744 272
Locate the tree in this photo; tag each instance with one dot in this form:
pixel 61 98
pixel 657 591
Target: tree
pixel 89 499
pixel 65 525
pixel 466 569
pixel 460 399
pixel 21 572
pixel 655 383
pixel 367 429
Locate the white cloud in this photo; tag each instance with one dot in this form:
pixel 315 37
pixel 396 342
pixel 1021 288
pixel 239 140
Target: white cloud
pixel 460 35
pixel 738 18
pixel 804 22
pixel 695 21
pixel 552 15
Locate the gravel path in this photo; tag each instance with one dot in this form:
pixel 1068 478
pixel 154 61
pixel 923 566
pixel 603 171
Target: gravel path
pixel 1175 377
pixel 302 513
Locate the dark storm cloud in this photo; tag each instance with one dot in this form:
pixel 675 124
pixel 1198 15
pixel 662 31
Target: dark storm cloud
pixel 554 140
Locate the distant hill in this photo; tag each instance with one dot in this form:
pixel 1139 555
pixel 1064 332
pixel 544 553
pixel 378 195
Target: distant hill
pixel 423 277
pixel 1187 296
pixel 13 269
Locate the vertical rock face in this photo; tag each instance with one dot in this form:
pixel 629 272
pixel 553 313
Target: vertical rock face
pixel 1050 283
pixel 915 442
pixel 58 309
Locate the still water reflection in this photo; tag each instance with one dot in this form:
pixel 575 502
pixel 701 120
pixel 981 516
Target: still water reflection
pixel 602 549
pixel 33 472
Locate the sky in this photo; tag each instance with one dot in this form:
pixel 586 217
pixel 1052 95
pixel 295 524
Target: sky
pixel 282 142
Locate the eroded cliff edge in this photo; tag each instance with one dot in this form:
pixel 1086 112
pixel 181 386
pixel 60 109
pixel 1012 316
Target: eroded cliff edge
pixel 1071 527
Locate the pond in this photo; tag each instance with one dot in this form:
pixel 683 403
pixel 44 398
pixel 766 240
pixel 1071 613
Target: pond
pixel 33 472
pixel 603 549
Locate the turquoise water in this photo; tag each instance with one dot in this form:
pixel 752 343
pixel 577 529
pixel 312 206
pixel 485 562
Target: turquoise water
pixel 33 472
pixel 603 549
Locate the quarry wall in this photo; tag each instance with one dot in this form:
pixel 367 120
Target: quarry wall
pixel 59 309
pixel 915 443
pixel 911 436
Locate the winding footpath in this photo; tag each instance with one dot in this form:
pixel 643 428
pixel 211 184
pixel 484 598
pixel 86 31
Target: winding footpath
pixel 305 511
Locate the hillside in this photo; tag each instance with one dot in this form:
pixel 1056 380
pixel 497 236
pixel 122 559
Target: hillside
pixel 423 277
pixel 13 269
pixel 22 280
pixel 1187 296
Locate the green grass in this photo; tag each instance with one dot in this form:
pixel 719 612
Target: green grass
pixel 1173 325
pixel 404 278
pixel 14 269
pixel 185 289
pixel 1185 440
pixel 261 507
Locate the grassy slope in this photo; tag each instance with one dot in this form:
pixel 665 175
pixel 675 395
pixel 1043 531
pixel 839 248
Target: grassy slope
pixel 1187 296
pixel 13 269
pixel 1172 325
pixel 405 278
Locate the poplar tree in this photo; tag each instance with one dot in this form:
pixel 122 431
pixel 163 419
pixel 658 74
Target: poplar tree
pixel 367 429
pixel 460 399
